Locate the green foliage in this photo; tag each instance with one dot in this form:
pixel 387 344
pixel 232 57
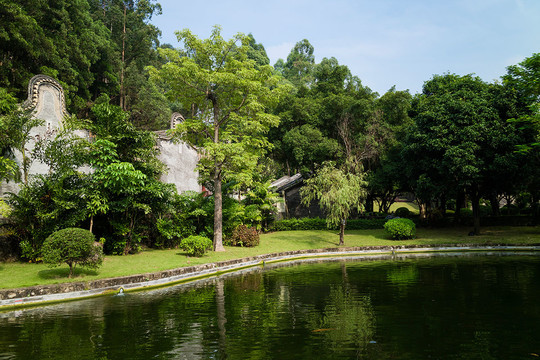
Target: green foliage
pixel 196 245
pixel 191 213
pixel 402 212
pixel 5 209
pixel 320 224
pixel 298 68
pixel 300 224
pixel 45 205
pixel 228 95
pixel 307 147
pixel 15 127
pixel 124 185
pixel 338 193
pixel 187 214
pixel 400 228
pixel 461 140
pixel 244 236
pixel 60 39
pixel 510 209
pixel 260 208
pixel 484 211
pixel 73 246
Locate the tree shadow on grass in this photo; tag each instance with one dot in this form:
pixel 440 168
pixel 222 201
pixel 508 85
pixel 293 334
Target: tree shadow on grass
pixel 382 236
pixel 181 253
pixel 379 235
pixel 315 240
pixel 59 273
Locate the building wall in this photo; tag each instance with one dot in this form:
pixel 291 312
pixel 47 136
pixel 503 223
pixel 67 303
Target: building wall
pixel 181 161
pixel 46 98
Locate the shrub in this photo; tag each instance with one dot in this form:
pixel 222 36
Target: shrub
pixel 485 210
pixel 465 212
pixel 72 246
pixel 400 228
pixel 5 210
pixel 510 209
pixel 402 212
pixel 244 236
pixel 9 244
pixel 196 245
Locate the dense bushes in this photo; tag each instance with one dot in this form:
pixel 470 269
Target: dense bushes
pixel 191 213
pixel 196 245
pixel 400 228
pixel 484 211
pixel 244 236
pixel 72 246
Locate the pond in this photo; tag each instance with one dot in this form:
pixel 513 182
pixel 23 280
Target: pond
pixel 437 307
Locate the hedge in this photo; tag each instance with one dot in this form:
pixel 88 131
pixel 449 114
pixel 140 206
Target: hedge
pixel 371 224
pixel 320 224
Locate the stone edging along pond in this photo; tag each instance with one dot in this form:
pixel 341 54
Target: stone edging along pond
pixel 41 294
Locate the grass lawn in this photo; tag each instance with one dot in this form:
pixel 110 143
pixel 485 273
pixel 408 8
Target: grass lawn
pixel 14 275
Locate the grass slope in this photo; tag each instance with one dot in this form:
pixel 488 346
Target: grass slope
pixel 13 275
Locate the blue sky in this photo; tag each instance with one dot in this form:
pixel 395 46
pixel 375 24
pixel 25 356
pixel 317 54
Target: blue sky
pixel 384 42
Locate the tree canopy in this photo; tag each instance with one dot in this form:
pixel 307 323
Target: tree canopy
pixel 230 97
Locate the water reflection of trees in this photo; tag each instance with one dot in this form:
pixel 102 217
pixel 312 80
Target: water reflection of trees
pixel 294 311
pixel 346 323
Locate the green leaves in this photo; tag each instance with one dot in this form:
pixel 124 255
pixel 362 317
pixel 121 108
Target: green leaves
pixel 337 192
pixel 229 97
pixel 72 246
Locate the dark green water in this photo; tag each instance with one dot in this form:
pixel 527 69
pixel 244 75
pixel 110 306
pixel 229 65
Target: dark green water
pixel 472 307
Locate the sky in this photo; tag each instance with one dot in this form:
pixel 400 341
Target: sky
pixel 383 42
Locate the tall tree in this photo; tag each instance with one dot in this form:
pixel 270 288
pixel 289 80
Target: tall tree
pixel 134 42
pixel 231 97
pixel 298 68
pixel 57 38
pixel 523 77
pixel 457 135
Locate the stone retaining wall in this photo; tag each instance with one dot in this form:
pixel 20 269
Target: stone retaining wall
pixel 9 297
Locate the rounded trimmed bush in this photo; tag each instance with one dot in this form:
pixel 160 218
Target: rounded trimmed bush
pixel 402 212
pixel 400 228
pixel 245 236
pixel 196 245
pixel 72 246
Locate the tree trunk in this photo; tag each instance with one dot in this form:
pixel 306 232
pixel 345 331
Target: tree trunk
pixel 494 201
pixel 218 213
pixel 369 203
pixel 91 223
pixel 421 209
pixel 25 165
pixel 123 65
pixel 442 206
pixel 460 203
pixel 535 208
pixel 218 200
pixel 342 231
pixel 475 199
